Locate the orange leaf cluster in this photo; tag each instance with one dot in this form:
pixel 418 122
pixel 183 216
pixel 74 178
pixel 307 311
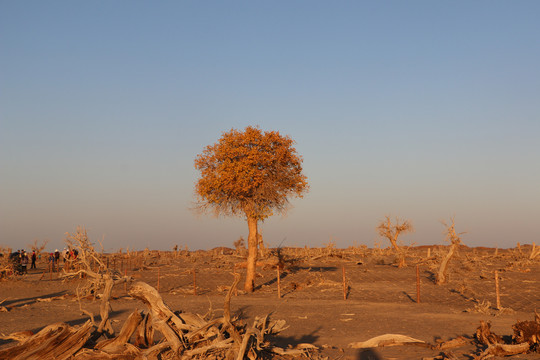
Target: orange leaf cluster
pixel 250 172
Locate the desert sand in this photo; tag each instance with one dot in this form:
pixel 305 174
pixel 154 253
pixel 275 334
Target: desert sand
pixel 377 297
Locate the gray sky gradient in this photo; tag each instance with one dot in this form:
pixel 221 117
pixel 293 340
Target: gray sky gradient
pixel 418 109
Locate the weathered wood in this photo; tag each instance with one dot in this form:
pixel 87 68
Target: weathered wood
pixel 105 324
pixel 54 342
pixel 185 335
pixel 131 324
pixel 497 292
pixel 503 350
pixel 18 336
pixel 385 340
pixel 442 273
pixel 216 345
pixel 454 343
pixel 201 332
pixel 243 345
pixel 455 241
pixel 144 337
pixel 173 338
pixel 153 353
pixel 149 295
pixel 91 265
pixel 227 304
pixel 485 336
pixel 126 352
pixel 288 352
pixel 228 326
pixel 193 320
pixel 526 331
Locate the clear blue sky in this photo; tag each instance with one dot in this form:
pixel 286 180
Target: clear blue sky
pixel 418 109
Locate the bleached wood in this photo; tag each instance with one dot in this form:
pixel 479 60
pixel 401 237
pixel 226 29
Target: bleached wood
pixel 503 350
pixel 54 342
pixel 385 340
pixel 129 327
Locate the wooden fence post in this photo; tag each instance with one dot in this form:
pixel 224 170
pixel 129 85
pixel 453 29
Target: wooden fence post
pixel 195 281
pixel 497 290
pixel 278 283
pixel 235 288
pixel 344 283
pixel 418 284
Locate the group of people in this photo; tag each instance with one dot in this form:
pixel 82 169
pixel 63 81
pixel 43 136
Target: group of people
pixel 66 255
pixel 20 261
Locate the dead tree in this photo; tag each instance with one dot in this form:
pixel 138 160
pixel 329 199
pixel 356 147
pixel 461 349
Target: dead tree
pixel 184 335
pixel 455 241
pixel 526 339
pixel 6 267
pixel 392 231
pixel 100 279
pixel 534 252
pixel 38 247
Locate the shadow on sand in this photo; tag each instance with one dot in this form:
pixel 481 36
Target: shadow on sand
pixel 368 354
pixel 13 303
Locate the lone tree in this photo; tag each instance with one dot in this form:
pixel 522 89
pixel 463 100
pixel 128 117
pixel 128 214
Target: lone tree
pixel 455 241
pixel 250 174
pixel 392 231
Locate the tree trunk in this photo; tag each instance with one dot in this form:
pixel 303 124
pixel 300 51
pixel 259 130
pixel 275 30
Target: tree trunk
pixel 252 255
pixel 441 275
pixel 393 241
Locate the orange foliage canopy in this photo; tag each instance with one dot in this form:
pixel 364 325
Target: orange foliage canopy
pixel 250 172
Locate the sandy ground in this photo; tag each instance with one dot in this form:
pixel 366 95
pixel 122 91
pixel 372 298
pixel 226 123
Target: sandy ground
pixel 381 298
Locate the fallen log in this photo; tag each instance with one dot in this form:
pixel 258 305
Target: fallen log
pixel 503 350
pixel 385 340
pixel 149 296
pixel 156 350
pixel 299 350
pixel 174 339
pixel 144 337
pixel 450 344
pixel 527 331
pixel 92 354
pixel 485 336
pixel 117 344
pixel 185 335
pixel 54 342
pixel 216 345
pixel 18 336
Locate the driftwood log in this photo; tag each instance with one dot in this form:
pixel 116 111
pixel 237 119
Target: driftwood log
pixel 454 343
pixel 99 277
pixel 183 335
pixel 503 350
pixel 385 340
pixel 484 335
pixel 54 342
pixel 526 339
pixel 527 332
